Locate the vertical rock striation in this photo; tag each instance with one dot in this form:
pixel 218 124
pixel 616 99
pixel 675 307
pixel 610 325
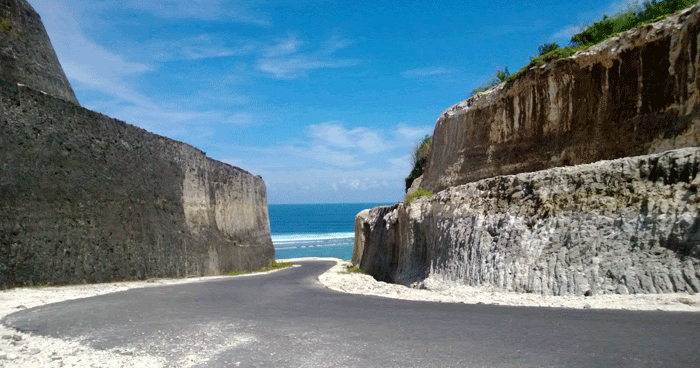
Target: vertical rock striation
pixel 630 225
pixel 634 94
pixel 26 53
pixel 87 198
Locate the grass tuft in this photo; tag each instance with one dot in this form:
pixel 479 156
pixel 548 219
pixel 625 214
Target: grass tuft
pixel 353 269
pixel 417 194
pixel 272 266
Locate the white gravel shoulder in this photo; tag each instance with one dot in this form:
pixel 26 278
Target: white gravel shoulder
pixel 19 349
pixel 435 290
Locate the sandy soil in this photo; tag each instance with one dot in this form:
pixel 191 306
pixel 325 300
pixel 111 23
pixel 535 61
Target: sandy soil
pixel 23 350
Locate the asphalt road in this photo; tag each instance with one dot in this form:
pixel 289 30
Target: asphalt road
pixel 288 319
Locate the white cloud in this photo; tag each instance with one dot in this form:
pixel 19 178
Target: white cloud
pixel 336 135
pixel 194 127
pixel 283 61
pixel 84 61
pixel 90 66
pixel 566 33
pixel 371 142
pixel 331 133
pixel 363 184
pixel 427 72
pixel 204 46
pixel 374 184
pixel 199 9
pixel 297 66
pixel 413 133
pixel 335 43
pixel 328 156
pixel 402 163
pixel 284 47
pixel 352 184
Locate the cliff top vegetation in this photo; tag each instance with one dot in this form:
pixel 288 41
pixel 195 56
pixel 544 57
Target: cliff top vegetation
pixel 419 158
pixel 417 194
pixel 609 26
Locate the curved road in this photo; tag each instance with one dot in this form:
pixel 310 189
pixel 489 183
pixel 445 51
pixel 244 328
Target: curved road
pixel 288 319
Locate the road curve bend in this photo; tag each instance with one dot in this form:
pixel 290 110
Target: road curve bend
pixel 288 319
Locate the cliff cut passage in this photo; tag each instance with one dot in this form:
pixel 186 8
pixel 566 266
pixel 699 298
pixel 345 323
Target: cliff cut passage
pixel 87 198
pixel 630 225
pixel 635 94
pixel 26 53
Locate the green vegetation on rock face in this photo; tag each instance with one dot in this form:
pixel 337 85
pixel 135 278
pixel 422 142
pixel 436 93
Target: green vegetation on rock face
pixel 500 77
pixel 546 48
pixel 419 159
pixel 272 266
pixel 417 194
pixel 635 16
pixel 649 11
pixel 5 25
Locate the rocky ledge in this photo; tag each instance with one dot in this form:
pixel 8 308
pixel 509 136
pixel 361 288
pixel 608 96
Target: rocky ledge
pixel 629 225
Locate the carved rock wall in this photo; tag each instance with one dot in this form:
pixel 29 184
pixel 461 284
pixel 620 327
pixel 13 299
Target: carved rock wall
pixel 87 198
pixel 630 225
pixel 634 94
pixel 26 53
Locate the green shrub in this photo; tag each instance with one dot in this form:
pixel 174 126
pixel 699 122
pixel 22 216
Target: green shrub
pixel 554 54
pixel 5 25
pixel 635 16
pixel 419 158
pixel 500 77
pixel 417 194
pixel 546 48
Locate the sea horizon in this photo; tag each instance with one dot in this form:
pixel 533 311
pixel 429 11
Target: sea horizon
pixel 315 229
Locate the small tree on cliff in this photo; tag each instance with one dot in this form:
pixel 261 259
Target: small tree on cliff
pixel 500 77
pixel 419 159
pixel 546 48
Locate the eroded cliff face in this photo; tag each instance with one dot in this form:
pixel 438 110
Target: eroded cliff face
pixel 87 198
pixel 634 94
pixel 629 225
pixel 26 53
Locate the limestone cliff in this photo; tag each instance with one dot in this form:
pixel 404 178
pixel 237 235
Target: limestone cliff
pixel 629 225
pixel 511 212
pixel 26 53
pixel 634 94
pixel 87 198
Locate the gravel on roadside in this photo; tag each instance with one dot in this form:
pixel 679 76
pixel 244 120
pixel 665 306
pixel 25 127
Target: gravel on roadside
pixel 18 349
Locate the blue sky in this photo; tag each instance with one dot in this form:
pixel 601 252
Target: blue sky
pixel 323 99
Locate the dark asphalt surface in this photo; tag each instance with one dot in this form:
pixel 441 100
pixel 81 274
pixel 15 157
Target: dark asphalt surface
pixel 288 319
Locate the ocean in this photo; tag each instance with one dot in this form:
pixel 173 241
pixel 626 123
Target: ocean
pixel 315 230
